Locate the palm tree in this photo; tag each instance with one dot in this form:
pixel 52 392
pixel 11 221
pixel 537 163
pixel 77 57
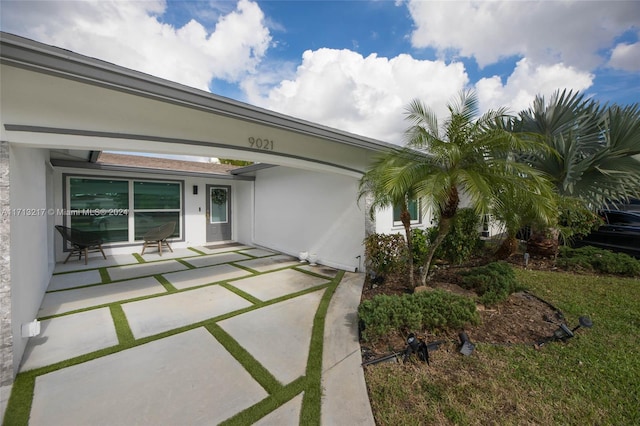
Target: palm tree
pixel 397 196
pixel 590 156
pixel 466 156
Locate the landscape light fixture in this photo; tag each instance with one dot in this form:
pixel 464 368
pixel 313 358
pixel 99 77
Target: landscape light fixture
pixel 467 347
pixel 564 333
pixel 415 345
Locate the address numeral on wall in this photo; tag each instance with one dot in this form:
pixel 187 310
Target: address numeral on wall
pixel 259 143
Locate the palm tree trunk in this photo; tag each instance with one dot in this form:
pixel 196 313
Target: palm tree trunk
pixel 443 230
pixel 508 247
pixel 446 221
pixel 405 217
pixel 543 243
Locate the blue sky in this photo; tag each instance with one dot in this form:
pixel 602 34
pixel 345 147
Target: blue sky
pixel 355 65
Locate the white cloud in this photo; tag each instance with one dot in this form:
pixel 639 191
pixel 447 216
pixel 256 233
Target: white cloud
pixel 626 57
pixel 527 81
pixel 130 33
pixel 363 95
pixel 342 88
pixel 570 32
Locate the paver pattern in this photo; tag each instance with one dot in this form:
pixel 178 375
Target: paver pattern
pixel 177 308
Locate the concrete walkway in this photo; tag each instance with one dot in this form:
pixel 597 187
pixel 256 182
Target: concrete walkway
pixel 194 338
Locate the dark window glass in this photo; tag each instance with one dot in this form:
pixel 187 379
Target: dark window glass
pixel 99 194
pixel 156 195
pixel 93 203
pixel 413 211
pixel 144 221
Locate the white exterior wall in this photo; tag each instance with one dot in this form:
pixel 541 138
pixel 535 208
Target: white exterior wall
pixel 243 212
pixel 194 208
pixel 384 221
pixel 31 254
pixel 298 210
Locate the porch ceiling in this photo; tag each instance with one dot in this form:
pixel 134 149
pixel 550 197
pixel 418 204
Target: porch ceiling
pixel 56 99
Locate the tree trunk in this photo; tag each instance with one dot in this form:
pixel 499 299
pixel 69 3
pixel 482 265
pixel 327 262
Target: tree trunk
pixel 405 217
pixel 447 213
pixel 543 243
pixel 508 247
pixel 443 230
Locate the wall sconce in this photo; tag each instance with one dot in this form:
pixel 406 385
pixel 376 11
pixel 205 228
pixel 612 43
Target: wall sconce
pixel 195 189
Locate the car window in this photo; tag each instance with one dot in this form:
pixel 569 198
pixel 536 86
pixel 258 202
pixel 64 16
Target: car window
pixel 624 219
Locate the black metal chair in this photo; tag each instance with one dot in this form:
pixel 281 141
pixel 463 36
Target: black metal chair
pixel 82 242
pixel 159 236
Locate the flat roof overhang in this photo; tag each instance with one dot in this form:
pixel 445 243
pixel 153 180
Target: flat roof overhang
pixel 54 98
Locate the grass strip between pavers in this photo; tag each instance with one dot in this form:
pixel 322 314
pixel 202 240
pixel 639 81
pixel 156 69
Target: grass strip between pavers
pixel 312 400
pixel 195 250
pixel 165 283
pixel 246 268
pixel 310 384
pixel 139 258
pixel 274 401
pixel 104 276
pixel 20 400
pixel 186 263
pixel 241 293
pixel 123 330
pixel 19 405
pixel 259 373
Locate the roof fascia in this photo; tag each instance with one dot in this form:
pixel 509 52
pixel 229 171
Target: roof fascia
pixel 35 56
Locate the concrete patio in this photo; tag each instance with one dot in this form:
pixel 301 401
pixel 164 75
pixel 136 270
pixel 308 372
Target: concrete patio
pixel 194 337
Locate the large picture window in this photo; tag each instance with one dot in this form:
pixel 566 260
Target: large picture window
pixel 414 211
pixel 155 203
pixel 100 205
pixel 123 210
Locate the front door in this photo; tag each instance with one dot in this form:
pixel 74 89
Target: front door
pixel 218 213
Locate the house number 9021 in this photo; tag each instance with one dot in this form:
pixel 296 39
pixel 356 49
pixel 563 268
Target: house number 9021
pixel 260 143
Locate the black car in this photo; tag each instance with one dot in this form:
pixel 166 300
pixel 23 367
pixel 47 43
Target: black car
pixel 620 233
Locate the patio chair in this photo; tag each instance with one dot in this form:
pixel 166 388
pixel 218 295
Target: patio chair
pixel 159 236
pixel 82 242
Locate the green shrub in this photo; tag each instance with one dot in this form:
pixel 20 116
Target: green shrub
pixel 463 239
pixel 420 246
pixel 425 310
pixel 594 259
pixel 493 283
pixel 385 253
pixel 576 219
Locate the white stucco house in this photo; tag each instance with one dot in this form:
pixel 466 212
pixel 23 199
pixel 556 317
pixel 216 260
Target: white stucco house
pixel 59 110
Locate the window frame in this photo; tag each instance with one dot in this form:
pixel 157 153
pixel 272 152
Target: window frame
pixel 226 204
pixel 133 210
pixel 66 196
pixel 417 221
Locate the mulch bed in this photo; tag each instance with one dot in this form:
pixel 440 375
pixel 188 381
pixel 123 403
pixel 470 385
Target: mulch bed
pixel 522 319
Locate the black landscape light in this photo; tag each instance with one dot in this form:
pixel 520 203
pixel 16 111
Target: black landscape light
pixel 415 345
pixel 466 347
pixel 564 333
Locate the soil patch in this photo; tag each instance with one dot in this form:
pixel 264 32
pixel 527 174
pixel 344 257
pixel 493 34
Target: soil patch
pixel 522 319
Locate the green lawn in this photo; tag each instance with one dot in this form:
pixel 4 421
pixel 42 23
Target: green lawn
pixel 592 379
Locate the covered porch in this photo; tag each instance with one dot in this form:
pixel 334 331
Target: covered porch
pixel 60 109
pixel 201 335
